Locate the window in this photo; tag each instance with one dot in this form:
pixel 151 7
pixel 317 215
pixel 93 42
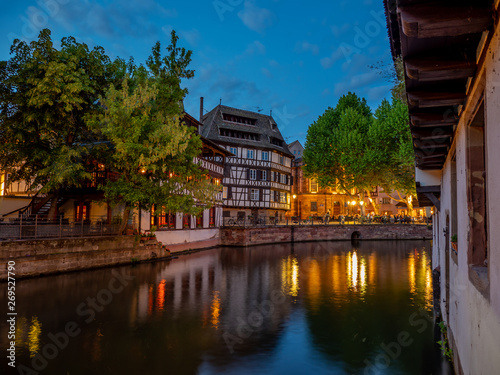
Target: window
pixel 211 217
pixel 282 159
pixel 264 175
pixel 295 152
pixel 186 221
pixel 250 154
pixel 254 194
pixel 314 206
pixel 386 200
pixel 224 192
pixel 234 151
pixel 282 197
pixel 253 174
pixel 265 155
pixel 477 193
pixel 283 178
pixel 313 188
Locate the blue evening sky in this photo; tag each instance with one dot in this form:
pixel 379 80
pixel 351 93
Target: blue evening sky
pixel 293 57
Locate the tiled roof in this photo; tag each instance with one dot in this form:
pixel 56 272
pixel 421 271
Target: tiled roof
pixel 213 121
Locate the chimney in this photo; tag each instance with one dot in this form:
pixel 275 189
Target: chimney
pixel 201 108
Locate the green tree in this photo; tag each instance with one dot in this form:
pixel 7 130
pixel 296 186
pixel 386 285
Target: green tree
pixel 44 95
pixel 148 145
pixel 348 148
pixel 335 151
pixel 392 151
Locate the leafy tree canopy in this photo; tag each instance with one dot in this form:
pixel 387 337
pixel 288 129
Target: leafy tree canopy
pixel 44 94
pixel 349 148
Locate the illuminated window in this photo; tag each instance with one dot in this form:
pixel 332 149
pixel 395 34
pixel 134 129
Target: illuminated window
pixel 224 192
pixel 283 197
pixel 313 185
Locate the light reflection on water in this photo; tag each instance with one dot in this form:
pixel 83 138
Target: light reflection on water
pixel 322 308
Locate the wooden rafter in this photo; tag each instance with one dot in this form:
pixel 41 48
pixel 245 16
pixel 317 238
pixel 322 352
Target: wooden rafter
pixel 427 99
pixel 430 20
pixel 439 69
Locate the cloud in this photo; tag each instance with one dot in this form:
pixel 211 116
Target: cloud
pixel 192 36
pixel 274 63
pixel 355 81
pixel 255 18
pixel 266 72
pixel 255 48
pixel 339 31
pixel 376 94
pixel 327 62
pixel 305 47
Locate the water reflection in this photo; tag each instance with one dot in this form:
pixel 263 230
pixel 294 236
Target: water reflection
pixel 34 336
pixel 312 308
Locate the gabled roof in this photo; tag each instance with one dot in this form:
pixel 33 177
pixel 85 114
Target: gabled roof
pixel 294 143
pixel 265 127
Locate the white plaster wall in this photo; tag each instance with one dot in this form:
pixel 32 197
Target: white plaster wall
pixel 427 178
pixel 10 204
pixel 172 237
pixel 474 320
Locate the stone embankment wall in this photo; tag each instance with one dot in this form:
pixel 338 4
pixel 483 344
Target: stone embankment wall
pixel 42 257
pixel 267 235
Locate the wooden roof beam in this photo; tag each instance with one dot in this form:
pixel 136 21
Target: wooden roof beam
pixel 425 155
pixel 430 21
pixel 426 145
pixel 436 133
pixel 445 118
pixel 428 99
pixel 428 69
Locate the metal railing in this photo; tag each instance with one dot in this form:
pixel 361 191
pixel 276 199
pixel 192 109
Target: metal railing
pixel 251 221
pixel 37 228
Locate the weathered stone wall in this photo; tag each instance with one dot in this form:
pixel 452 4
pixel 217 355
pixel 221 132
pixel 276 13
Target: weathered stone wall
pixel 266 235
pixel 41 257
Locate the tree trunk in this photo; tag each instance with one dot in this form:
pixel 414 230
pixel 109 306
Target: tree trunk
pixel 375 205
pixel 126 214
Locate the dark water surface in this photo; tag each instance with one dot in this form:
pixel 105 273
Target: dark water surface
pixel 310 308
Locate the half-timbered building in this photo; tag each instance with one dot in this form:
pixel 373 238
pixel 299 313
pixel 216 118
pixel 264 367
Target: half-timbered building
pixel 257 177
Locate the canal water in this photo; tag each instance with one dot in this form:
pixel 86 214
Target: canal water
pixel 309 308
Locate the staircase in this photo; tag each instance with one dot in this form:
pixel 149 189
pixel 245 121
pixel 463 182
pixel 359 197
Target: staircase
pixel 38 207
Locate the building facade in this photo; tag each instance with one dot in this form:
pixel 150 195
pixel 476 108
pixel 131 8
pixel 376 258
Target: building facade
pixel 257 176
pixel 311 200
pixel 452 70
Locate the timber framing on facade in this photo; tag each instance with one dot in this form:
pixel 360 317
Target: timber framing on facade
pixel 257 176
